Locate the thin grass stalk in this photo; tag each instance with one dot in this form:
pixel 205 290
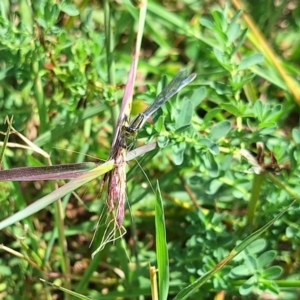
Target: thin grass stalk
pixel 153 282
pixel 65 261
pixel 40 99
pixel 6 137
pixel 109 46
pixel 255 192
pixel 59 225
pixel 140 29
pixel 94 263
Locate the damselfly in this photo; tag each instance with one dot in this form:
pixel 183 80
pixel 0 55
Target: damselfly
pixel 117 177
pixel 178 82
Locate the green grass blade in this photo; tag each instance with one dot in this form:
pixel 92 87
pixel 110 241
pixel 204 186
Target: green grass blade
pixel 67 291
pixel 57 194
pixel 161 247
pixel 256 189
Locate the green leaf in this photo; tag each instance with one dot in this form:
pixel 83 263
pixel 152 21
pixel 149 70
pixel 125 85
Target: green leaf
pixel 162 141
pixel 250 61
pixel 206 23
pixel 6 271
pixel 222 58
pixel 211 114
pixel 251 263
pixel 240 42
pixel 221 88
pixel 268 129
pixel 4 71
pixel 160 124
pixel 219 18
pixel 272 272
pixel 236 86
pixel 178 152
pixel 240 271
pixel 69 9
pixel 257 246
pixel 211 146
pixel 272 286
pixel 41 22
pixel 220 130
pixel 182 129
pixel 258 110
pixel 161 247
pixel 247 287
pixel 195 180
pixel 211 164
pixel 267 125
pixel 214 186
pixel 198 96
pixel 54 14
pixel 233 31
pixel 235 18
pixel 50 15
pixel 271 112
pixel 185 116
pixel 231 109
pixel 296 135
pixel 266 258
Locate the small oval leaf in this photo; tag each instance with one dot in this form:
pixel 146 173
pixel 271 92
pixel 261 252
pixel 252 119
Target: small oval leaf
pixel 198 96
pixel 220 130
pixel 272 272
pixel 211 164
pixel 185 115
pixel 211 146
pixel 178 152
pixel 296 135
pixel 250 61
pixel 162 141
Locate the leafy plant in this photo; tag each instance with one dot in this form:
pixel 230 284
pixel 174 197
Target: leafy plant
pixel 219 229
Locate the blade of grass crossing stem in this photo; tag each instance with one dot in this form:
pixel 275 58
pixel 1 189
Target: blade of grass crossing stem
pixel 161 247
pixel 69 292
pixel 189 290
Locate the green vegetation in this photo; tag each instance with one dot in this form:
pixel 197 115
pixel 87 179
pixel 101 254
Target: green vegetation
pixel 214 208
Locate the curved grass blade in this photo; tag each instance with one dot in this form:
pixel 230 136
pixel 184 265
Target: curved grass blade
pixel 57 194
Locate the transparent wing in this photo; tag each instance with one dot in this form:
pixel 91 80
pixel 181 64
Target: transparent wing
pixel 176 84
